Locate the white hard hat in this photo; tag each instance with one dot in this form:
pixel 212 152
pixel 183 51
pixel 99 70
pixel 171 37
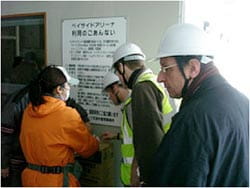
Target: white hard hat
pixel 70 80
pixel 185 39
pixel 109 79
pixel 129 52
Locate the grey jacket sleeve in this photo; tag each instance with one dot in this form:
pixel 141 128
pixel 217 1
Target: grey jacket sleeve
pixel 147 124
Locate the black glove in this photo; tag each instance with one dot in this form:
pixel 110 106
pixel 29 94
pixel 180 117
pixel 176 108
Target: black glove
pixel 83 113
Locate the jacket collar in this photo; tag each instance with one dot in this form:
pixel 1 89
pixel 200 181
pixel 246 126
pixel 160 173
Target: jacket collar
pixel 133 77
pixel 212 82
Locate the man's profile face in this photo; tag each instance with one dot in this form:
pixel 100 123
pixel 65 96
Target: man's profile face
pixel 112 94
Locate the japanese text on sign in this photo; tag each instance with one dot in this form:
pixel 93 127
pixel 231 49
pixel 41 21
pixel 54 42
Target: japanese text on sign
pixel 88 46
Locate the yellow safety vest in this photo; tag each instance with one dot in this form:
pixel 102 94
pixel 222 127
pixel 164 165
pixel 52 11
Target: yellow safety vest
pixel 166 107
pixel 127 147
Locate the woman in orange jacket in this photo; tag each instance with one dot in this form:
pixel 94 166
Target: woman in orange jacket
pixel 51 133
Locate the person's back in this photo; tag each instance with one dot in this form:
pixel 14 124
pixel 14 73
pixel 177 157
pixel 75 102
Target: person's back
pixel 51 132
pixel 52 139
pixel 228 120
pixel 12 159
pixel 13 106
pixel 215 129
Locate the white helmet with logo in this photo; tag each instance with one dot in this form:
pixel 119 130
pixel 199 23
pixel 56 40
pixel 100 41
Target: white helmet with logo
pixel 109 79
pixel 129 52
pixel 186 39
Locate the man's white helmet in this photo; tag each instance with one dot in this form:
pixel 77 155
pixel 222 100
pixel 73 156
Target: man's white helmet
pixel 129 52
pixel 109 79
pixel 185 39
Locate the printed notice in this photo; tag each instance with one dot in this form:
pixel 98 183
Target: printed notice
pixel 88 46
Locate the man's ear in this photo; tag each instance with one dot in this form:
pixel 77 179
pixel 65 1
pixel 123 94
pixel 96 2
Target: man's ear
pixel 193 68
pixel 115 88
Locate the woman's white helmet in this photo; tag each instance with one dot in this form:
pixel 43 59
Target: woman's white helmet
pixel 109 79
pixel 129 52
pixel 72 81
pixel 185 39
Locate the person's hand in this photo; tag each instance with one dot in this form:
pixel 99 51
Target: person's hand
pixel 5 172
pixel 135 181
pixel 135 178
pixel 97 138
pixel 108 136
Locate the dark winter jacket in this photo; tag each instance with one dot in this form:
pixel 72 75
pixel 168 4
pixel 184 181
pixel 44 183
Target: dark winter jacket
pixel 11 117
pixel 208 142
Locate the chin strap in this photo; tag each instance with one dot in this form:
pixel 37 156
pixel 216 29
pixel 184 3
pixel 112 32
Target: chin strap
pixel 123 75
pixel 185 87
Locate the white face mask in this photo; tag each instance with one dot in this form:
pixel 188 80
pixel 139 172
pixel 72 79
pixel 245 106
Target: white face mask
pixel 66 94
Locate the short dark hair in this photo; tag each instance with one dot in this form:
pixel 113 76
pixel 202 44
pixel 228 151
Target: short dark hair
pixel 46 82
pixel 183 60
pixel 132 65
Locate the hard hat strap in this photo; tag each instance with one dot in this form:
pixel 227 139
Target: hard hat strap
pixel 181 61
pixel 116 66
pixel 185 87
pixel 123 75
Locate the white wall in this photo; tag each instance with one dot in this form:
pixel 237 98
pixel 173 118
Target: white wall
pixel 146 23
pixel 147 20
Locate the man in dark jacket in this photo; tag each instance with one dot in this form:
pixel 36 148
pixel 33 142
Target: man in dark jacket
pixel 208 142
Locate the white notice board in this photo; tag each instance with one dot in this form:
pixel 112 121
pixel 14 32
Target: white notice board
pixel 88 46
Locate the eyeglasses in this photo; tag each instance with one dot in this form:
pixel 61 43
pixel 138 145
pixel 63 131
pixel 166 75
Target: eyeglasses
pixel 115 71
pixel 164 69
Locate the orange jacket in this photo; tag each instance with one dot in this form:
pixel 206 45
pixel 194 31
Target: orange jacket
pixel 50 134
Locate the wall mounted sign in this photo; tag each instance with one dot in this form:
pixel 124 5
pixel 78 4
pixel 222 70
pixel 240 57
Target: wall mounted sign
pixel 88 46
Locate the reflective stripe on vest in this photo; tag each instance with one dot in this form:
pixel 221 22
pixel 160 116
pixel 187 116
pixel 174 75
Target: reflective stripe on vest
pixel 166 106
pixel 127 147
